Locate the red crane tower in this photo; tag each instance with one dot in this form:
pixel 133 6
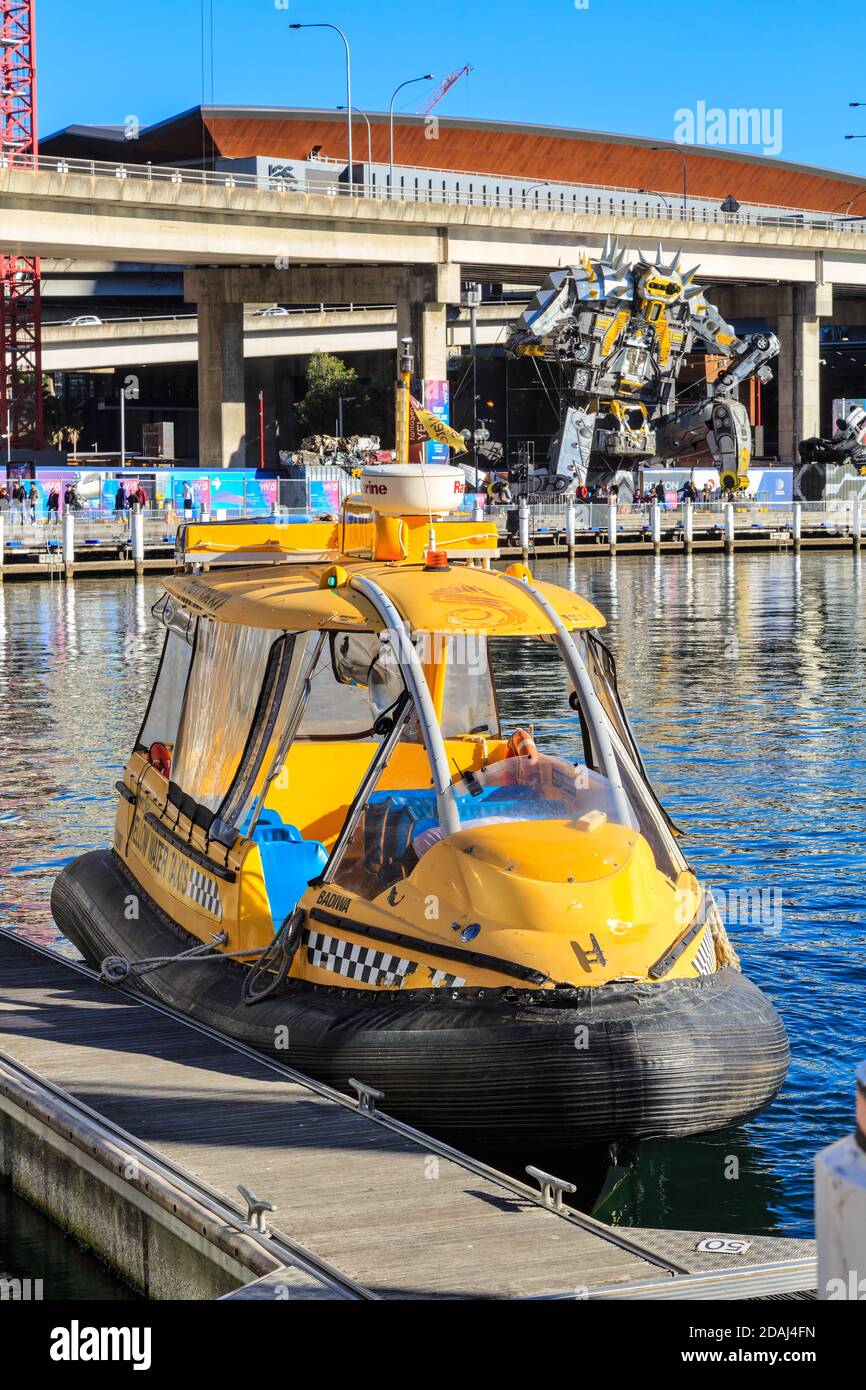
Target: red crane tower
pixel 20 304
pixel 443 89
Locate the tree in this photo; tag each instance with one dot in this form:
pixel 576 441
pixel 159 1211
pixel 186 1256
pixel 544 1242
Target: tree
pixel 328 378
pixel 61 415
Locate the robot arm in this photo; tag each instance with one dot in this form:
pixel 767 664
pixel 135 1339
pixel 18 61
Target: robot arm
pixel 564 293
pixel 749 354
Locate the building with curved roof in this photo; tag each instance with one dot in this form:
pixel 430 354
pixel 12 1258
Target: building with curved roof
pixel 514 150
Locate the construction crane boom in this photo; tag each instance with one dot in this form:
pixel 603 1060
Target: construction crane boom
pixel 20 303
pixel 444 88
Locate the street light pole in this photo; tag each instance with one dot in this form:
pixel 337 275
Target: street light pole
pixel 428 77
pixel 341 400
pixel 654 193
pixel 339 31
pixel 122 424
pixel 666 149
pixel 359 112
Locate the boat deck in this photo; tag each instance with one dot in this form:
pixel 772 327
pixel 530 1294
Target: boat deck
pixel 364 1207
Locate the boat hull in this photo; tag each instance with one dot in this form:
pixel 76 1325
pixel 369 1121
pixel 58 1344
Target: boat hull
pixel 505 1068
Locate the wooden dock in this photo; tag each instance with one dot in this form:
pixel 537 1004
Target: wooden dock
pixel 136 1127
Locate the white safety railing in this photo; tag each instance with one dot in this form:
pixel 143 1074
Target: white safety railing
pixel 547 519
pixel 549 197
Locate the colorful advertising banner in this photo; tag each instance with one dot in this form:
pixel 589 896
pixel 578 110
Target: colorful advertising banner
pixel 324 496
pixel 765 484
pixel 437 400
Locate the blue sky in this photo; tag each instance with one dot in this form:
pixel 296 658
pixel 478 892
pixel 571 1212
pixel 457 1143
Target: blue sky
pixel 617 65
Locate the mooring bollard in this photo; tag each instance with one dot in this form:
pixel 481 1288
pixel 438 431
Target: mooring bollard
pixel 136 531
pixel 69 544
pixel 477 510
pixel 840 1210
pixel 797 524
pixel 523 527
pixel 729 526
pixel 570 528
pixel 656 527
pixel 611 525
pixel 688 527
pixel 856 524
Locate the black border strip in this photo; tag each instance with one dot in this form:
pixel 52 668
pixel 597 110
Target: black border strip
pixel 228 875
pixel 124 791
pixel 431 948
pixel 666 963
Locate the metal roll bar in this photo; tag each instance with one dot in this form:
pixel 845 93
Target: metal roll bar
pixel 416 684
pixel 583 685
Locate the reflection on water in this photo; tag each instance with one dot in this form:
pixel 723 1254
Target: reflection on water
pixel 746 680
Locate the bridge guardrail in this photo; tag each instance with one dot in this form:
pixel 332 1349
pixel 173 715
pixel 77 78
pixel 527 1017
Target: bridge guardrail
pixel 594 200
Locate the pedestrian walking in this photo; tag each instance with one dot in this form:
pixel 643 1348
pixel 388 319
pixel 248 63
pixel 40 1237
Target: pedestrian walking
pixel 19 501
pixel 54 506
pixel 33 498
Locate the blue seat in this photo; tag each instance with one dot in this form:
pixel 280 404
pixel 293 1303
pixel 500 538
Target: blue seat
pixel 289 863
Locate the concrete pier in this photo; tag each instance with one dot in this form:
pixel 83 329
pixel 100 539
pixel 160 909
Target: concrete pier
pixel 198 1168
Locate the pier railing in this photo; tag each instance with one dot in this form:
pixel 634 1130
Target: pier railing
pixel 548 518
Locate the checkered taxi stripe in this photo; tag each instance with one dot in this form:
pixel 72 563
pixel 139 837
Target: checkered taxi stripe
pixel 705 959
pixel 204 891
pixel 370 967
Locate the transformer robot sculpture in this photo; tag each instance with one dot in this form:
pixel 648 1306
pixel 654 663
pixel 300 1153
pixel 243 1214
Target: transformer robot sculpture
pixel 622 331
pixel 848 444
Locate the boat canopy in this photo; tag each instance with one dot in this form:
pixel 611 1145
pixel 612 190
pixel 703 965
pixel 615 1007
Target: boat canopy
pixel 299 599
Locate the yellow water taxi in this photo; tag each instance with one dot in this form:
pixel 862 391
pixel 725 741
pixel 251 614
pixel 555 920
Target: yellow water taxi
pixel 328 845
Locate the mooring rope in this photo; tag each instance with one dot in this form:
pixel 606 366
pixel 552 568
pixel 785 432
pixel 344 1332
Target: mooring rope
pixel 115 969
pixel 275 960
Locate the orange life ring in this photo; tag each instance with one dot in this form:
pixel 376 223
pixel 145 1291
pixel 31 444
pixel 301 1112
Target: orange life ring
pixel 522 745
pixel 159 756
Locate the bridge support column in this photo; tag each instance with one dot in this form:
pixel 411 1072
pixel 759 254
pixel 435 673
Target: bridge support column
pixel 221 412
pixel 422 315
pixel 801 309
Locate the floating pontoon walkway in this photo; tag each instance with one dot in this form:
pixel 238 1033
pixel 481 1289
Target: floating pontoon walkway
pixel 135 1128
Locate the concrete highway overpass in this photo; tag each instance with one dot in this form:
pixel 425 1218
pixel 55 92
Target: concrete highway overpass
pixel 255 245
pixel 164 216
pixel 150 341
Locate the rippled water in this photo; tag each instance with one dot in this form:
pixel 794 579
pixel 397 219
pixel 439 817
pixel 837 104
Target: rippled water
pixel 746 680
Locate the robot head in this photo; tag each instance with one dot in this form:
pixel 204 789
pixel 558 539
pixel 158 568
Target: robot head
pixel 658 283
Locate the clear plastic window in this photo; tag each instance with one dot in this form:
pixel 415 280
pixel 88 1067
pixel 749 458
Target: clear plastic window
pixel 225 681
pixel 356 679
pixel 276 705
pixel 379 850
pixel 469 701
pixel 166 701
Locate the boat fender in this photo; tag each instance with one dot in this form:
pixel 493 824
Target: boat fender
pixel 159 756
pixel 522 745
